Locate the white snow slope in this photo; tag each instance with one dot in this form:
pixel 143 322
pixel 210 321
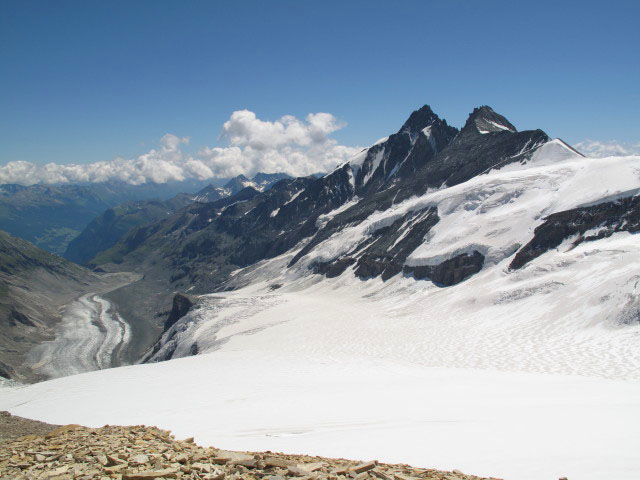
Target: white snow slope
pixel 525 375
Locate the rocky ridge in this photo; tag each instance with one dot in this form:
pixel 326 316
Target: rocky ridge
pixel 141 452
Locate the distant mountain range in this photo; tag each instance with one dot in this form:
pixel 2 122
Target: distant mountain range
pixel 260 182
pixel 50 216
pixel 107 229
pixel 53 216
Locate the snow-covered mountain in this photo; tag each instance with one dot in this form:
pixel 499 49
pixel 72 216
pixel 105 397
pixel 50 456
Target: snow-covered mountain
pixel 260 182
pixel 453 299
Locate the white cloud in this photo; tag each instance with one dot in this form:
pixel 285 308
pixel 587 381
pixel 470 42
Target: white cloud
pixel 611 148
pixel 298 147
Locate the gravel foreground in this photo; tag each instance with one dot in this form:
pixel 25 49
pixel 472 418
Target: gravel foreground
pixel 36 450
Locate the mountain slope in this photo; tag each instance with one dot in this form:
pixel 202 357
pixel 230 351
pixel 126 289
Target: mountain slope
pixel 107 229
pixel 50 216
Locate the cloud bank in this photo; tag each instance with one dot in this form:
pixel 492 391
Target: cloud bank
pixel 611 148
pixel 297 147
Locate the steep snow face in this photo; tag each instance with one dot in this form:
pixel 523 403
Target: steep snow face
pixel 495 213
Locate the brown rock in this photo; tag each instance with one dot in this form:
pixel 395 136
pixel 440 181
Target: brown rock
pixel 201 467
pixel 249 463
pixel 182 458
pixel 140 459
pixel 167 473
pixel 115 468
pixel 311 467
pixel 113 460
pixel 215 476
pixel 381 475
pixel 275 462
pixel 296 472
pixel 364 467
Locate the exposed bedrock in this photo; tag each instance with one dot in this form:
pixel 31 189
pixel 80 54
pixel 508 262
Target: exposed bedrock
pixel 384 253
pixel 451 271
pixel 181 306
pixel 584 223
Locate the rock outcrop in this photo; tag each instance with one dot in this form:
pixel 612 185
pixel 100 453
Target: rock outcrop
pixel 140 452
pixel 181 306
pixel 584 224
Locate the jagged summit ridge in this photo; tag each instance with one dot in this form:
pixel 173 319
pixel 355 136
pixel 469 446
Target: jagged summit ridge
pixel 201 244
pixel 260 181
pixel 421 136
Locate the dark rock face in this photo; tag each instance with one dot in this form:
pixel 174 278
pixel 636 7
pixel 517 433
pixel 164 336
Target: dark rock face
pixel 608 217
pixel 334 268
pixel 181 306
pixel 451 271
pixel 411 148
pixel 6 371
pixel 16 317
pixel 386 255
pixel 455 160
pixel 484 120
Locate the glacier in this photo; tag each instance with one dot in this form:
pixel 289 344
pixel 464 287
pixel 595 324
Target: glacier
pixel 523 374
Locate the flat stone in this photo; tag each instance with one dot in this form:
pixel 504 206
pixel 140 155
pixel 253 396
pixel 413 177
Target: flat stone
pixel 364 467
pixel 167 473
pixel 214 476
pixel 297 472
pixel 141 459
pixel 201 467
pixel 115 468
pixel 247 463
pixel 275 462
pixel 113 460
pixel 311 467
pixel 380 475
pixel 182 458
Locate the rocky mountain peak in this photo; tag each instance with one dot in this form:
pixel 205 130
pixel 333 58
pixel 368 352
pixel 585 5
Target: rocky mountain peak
pixel 421 119
pixel 485 120
pixel 237 183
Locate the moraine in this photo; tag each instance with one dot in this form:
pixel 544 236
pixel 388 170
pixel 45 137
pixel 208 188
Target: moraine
pixel 91 336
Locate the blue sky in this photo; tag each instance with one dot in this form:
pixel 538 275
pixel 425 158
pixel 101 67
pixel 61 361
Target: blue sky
pixel 90 80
